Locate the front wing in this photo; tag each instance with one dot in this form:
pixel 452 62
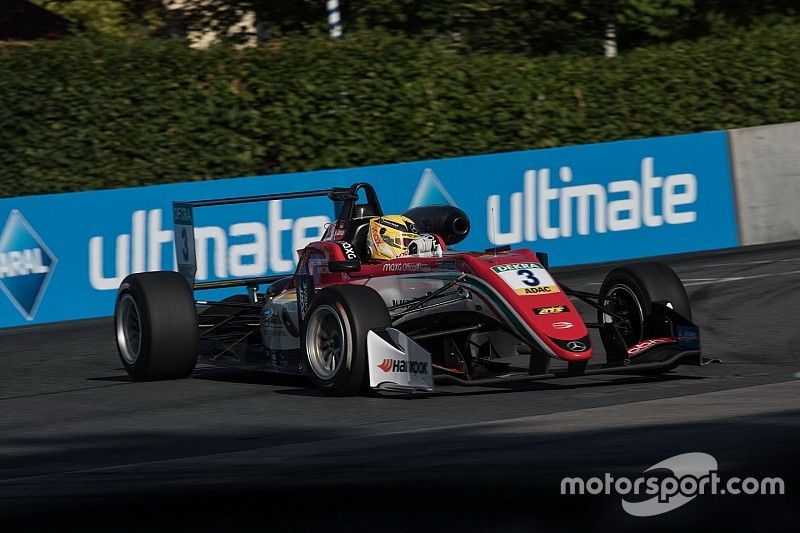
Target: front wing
pixel 397 362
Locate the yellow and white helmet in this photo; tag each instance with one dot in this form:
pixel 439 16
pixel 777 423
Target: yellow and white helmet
pixel 389 236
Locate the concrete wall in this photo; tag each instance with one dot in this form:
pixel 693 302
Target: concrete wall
pixel 766 170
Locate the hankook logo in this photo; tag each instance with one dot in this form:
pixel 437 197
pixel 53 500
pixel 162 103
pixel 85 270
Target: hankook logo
pixel 399 365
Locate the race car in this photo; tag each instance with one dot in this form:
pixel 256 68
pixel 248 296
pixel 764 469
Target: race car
pixel 355 323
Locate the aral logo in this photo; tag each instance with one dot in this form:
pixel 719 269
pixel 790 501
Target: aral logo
pixel 26 264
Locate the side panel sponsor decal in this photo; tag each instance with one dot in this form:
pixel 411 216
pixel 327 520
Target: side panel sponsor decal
pixel 550 310
pixel 636 349
pixel 348 251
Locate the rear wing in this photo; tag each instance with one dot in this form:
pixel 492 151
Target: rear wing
pixel 183 224
pixel 183 219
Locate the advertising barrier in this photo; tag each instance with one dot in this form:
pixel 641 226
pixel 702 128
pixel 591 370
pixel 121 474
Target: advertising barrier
pixel 62 256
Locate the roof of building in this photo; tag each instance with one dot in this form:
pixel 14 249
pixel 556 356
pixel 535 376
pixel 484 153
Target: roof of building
pixel 24 20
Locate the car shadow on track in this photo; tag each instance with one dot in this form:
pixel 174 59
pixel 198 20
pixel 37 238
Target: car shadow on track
pixel 459 478
pixel 228 375
pixel 235 375
pixel 454 390
pixel 302 386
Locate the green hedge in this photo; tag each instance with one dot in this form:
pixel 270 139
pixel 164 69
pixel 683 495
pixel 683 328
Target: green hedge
pixel 84 114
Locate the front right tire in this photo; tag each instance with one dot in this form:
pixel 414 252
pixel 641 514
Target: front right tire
pixel 632 289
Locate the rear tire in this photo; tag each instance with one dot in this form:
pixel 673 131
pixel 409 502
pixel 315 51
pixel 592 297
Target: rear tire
pixel 155 322
pixel 634 288
pixel 335 337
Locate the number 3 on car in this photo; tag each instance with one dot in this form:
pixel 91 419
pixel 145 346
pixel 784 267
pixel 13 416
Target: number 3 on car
pixel 527 279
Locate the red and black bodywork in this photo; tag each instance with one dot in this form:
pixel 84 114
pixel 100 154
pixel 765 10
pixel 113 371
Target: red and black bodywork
pixel 488 317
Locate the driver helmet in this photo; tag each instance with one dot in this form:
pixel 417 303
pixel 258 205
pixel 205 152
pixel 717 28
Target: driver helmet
pixel 389 236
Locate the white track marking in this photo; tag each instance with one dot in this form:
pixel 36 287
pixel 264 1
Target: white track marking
pixel 707 281
pixel 750 263
pixel 691 282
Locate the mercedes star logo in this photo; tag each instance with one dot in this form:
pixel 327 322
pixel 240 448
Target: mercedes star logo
pixel 576 346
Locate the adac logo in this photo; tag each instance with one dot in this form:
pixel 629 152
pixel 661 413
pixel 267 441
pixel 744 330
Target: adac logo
pixel 430 191
pixel 26 264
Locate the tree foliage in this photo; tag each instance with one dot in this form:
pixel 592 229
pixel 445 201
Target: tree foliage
pixel 111 17
pixel 528 26
pixel 100 112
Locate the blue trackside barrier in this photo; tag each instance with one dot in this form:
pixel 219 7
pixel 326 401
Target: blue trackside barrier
pixel 62 256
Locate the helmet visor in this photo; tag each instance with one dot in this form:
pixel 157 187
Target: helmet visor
pixel 401 240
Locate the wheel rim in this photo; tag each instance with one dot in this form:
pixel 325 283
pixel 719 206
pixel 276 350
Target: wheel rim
pixel 325 339
pixel 129 328
pixel 625 304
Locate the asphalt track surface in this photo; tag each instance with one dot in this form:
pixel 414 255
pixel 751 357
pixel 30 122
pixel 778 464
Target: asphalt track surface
pixel 84 448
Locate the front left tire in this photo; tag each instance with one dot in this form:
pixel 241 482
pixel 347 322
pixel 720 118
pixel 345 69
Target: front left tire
pixel 155 322
pixel 335 337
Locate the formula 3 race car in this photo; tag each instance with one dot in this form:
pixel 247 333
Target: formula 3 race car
pixel 354 325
